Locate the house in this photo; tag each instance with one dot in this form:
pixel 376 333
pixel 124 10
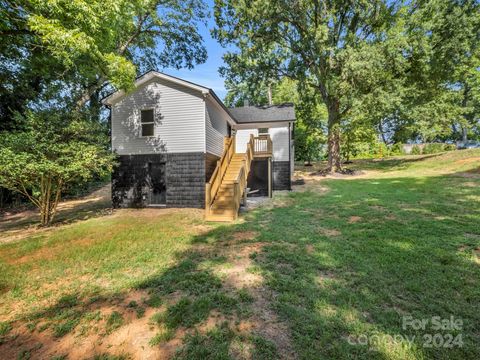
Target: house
pixel 178 145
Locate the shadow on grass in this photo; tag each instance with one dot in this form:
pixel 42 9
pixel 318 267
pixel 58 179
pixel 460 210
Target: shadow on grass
pixel 345 267
pixel 71 211
pixel 383 164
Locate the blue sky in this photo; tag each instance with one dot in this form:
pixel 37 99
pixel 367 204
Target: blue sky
pixel 206 74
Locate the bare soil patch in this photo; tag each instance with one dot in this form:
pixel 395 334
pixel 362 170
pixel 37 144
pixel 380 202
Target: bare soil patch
pixel 245 235
pixel 329 232
pixel 264 320
pixel 468 160
pixel 354 219
pixel 19 225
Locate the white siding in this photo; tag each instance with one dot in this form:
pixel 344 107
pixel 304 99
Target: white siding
pixel 179 116
pixel 242 137
pixel 280 143
pixel 279 136
pixel 216 125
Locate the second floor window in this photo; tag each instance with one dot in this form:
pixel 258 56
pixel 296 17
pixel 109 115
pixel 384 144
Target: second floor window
pixel 147 120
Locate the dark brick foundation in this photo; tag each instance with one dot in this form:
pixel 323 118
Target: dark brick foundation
pixel 258 178
pixel 281 175
pixel 210 165
pixel 185 179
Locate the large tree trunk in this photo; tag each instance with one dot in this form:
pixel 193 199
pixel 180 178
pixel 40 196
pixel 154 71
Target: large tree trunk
pixel 334 160
pixel 89 91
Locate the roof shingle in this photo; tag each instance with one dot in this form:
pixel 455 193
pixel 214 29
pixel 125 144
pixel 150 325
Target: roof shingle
pixel 255 114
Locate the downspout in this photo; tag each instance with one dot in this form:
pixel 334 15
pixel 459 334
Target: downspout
pixel 289 156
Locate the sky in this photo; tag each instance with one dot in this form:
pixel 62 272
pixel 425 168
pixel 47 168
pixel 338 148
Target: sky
pixel 206 74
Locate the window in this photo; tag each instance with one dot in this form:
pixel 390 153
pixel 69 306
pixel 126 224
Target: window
pixel 147 120
pixel 263 131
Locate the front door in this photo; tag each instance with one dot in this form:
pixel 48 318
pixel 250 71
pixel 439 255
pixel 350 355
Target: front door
pixel 158 188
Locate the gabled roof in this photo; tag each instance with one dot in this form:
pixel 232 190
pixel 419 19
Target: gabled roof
pixel 110 99
pixel 263 114
pixel 239 115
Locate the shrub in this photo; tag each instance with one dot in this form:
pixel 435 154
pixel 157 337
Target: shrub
pixel 433 148
pixel 397 149
pixel 450 147
pixel 416 150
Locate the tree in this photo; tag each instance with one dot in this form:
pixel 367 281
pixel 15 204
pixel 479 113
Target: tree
pixel 311 117
pixel 339 48
pixel 94 43
pixel 53 152
pixel 309 109
pixel 435 98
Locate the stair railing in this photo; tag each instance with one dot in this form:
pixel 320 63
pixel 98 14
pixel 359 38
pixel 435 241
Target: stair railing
pixel 263 145
pixel 240 183
pixel 212 186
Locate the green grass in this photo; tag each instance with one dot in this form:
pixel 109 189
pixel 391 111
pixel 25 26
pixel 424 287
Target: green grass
pixel 114 321
pixel 342 259
pixel 403 243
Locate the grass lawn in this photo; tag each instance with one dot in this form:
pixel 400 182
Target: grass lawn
pixel 329 271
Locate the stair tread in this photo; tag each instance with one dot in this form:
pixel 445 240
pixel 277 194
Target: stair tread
pixel 223 207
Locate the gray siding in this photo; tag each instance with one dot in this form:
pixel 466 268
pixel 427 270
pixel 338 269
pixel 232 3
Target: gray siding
pixel 179 116
pixel 216 126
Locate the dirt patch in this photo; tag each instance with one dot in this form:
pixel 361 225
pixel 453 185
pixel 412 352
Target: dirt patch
pixel 90 337
pixel 264 320
pixel 354 219
pixel 469 175
pixel 310 249
pixel 19 225
pixel 48 253
pixel 463 248
pixel 245 235
pixel 329 232
pixel 468 160
pixel 324 276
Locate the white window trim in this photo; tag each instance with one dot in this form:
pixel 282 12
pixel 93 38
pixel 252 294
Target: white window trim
pixel 141 123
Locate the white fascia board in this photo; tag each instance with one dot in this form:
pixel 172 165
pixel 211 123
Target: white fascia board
pixel 113 98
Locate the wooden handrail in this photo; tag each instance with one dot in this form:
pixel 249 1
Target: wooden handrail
pixel 240 182
pixel 262 145
pixel 212 186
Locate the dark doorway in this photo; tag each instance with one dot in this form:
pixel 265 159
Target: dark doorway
pixel 258 178
pixel 158 188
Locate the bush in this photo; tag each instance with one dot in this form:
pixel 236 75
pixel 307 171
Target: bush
pixel 450 147
pixel 434 148
pixel 416 150
pixel 397 149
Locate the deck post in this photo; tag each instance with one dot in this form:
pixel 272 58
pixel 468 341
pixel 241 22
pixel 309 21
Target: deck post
pixel 269 177
pixel 208 199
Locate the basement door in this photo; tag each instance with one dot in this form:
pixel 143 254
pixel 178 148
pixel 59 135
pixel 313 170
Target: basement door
pixel 158 188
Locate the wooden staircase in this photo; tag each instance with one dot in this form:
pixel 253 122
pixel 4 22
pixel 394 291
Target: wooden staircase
pixel 227 186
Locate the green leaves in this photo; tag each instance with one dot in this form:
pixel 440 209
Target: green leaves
pixel 89 44
pixel 53 153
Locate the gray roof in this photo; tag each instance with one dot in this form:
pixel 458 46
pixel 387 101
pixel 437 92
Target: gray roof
pixel 255 114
